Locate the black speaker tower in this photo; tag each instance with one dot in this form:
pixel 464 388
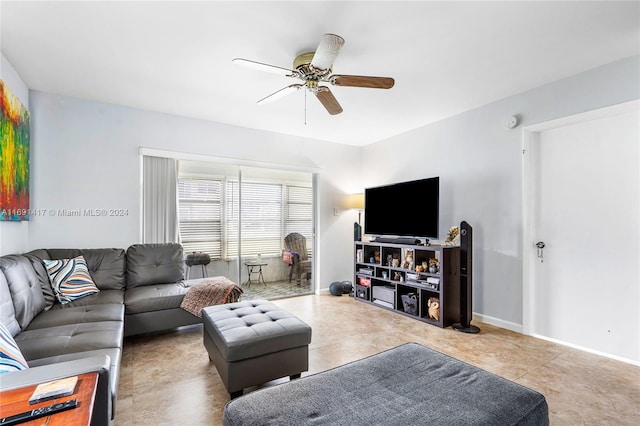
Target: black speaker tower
pixel 466 280
pixel 357 231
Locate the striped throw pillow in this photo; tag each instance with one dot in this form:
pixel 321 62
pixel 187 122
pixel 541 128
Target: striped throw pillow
pixel 11 358
pixel 70 278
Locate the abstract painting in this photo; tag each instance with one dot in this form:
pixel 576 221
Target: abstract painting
pixel 14 157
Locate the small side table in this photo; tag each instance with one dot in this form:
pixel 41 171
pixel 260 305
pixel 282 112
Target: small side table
pixel 251 270
pixel 16 401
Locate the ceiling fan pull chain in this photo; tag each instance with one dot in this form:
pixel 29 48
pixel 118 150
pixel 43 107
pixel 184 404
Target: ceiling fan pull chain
pixel 305 107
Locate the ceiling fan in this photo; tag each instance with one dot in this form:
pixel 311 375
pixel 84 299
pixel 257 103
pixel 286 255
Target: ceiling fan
pixel 314 68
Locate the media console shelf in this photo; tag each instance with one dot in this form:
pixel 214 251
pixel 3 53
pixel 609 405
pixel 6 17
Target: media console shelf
pixel 386 276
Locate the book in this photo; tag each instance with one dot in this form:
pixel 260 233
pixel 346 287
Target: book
pixel 54 389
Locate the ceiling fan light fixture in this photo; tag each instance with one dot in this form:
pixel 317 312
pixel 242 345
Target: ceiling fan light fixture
pixel 328 49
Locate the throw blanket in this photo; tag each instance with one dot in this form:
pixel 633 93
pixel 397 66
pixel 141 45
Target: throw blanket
pixel 210 291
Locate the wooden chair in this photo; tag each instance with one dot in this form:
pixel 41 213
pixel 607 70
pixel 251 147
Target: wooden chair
pixel 297 244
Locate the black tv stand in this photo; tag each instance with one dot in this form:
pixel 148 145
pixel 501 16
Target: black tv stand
pixel 398 240
pixel 421 282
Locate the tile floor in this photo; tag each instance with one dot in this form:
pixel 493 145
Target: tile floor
pixel 166 379
pixel 274 290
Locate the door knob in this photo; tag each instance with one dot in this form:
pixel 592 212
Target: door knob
pixel 540 245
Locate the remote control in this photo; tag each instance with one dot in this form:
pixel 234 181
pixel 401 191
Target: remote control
pixel 38 412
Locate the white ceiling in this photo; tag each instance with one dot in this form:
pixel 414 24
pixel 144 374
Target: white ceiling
pixel 446 57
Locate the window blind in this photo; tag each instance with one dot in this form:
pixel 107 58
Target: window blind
pixel 299 212
pixel 200 215
pixel 210 211
pixel 260 214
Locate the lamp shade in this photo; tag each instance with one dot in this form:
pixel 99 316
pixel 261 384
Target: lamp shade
pixel 355 201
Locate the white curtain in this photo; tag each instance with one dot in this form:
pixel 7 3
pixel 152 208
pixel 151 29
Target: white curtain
pixel 159 204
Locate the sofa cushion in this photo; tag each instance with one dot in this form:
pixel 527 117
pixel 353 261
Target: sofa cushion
pixel 149 264
pixel 11 358
pixel 7 312
pixel 101 298
pixel 70 279
pixel 107 266
pixel 67 339
pixel 154 298
pixel 24 286
pixel 78 314
pixel 43 278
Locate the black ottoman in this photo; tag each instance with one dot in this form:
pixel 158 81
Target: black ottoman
pixel 197 258
pixel 254 342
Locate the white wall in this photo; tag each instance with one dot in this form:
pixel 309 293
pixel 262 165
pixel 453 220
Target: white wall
pixel 13 235
pixel 85 156
pixel 479 162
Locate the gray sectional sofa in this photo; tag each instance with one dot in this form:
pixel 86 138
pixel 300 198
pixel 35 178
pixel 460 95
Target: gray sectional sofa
pixel 141 289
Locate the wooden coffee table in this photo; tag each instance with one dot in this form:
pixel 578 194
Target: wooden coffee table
pixel 16 401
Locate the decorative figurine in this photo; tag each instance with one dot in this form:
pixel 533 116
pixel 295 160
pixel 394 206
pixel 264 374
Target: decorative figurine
pixel 452 236
pixel 434 308
pixel 408 260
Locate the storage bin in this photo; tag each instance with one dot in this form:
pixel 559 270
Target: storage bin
pixel 410 303
pixel 383 293
pixel 362 292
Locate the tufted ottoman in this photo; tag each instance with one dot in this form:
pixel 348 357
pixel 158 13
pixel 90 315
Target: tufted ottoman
pixel 254 342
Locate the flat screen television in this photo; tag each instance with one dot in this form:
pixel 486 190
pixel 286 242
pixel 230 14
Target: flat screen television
pixel 404 209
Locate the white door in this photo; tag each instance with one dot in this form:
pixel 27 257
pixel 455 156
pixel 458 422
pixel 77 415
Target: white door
pixel 585 197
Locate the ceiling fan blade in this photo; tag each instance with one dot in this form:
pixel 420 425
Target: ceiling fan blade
pixel 328 49
pixel 329 101
pixel 280 94
pixel 263 67
pixel 362 81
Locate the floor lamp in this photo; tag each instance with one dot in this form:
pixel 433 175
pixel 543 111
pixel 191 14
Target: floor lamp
pixel 356 202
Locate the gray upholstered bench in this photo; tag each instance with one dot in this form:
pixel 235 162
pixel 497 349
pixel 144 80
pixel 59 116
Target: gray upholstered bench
pixel 254 342
pixel 406 385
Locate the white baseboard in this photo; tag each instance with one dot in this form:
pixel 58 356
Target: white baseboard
pixel 591 351
pixel 518 329
pixel 498 322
